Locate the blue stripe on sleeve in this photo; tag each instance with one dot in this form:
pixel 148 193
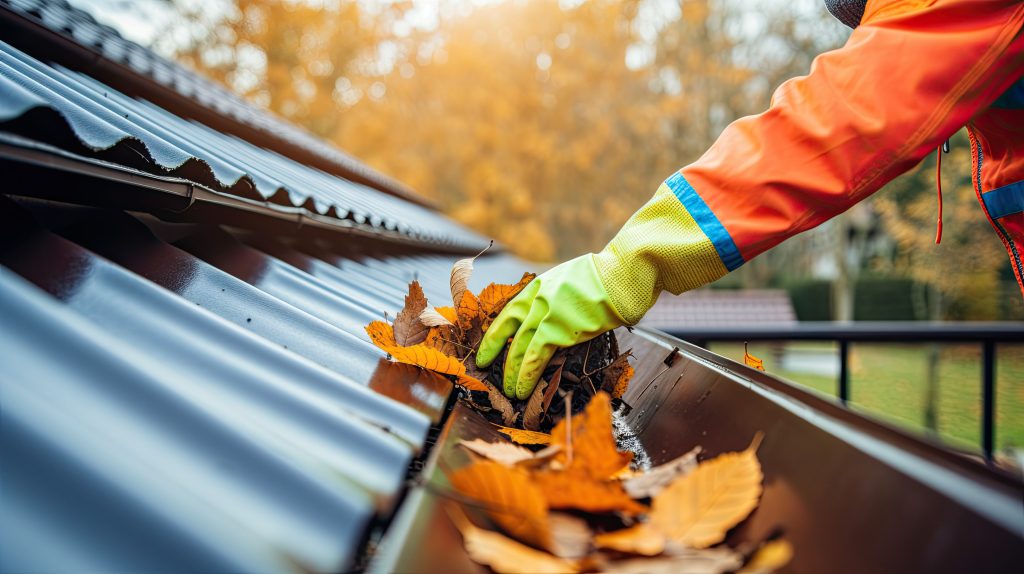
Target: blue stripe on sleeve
pixel 707 221
pixel 1006 200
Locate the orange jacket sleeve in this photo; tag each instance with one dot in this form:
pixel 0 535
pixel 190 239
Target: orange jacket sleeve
pixel 906 80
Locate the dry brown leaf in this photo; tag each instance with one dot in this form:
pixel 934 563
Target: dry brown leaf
pixel 639 539
pixel 471 383
pixel 617 375
pixel 408 329
pixel 502 452
pixel 593 450
pixel 570 536
pixel 501 403
pixel 495 296
pixel 513 499
pixel 549 392
pixel 521 436
pixel 770 557
pixel 431 318
pixel 504 555
pixel 534 407
pixel 582 492
pixel 700 507
pixel 686 561
pixel 462 270
pixel 650 483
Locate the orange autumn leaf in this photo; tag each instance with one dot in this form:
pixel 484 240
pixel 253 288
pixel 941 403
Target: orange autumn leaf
pixel 428 358
pixel 381 334
pixel 420 355
pixel 582 492
pixel 617 375
pixel 752 361
pixel 442 338
pixel 513 499
pixel 638 539
pixel 504 555
pixel 471 383
pixel 495 296
pixel 592 450
pixel 700 507
pixel 521 436
pixel 769 557
pixel 467 311
pixel 448 313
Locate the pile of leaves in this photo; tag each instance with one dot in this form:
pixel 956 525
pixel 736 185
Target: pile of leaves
pixel 558 494
pixel 445 340
pixel 577 506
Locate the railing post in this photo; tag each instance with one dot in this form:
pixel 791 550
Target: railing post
pixel 844 370
pixel 988 397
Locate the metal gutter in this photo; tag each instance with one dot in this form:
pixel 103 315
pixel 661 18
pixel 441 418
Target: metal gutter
pixel 172 198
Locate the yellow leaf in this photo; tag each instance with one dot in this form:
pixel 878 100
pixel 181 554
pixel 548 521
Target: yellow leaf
pixel 770 557
pixel 504 555
pixel 592 448
pixel 700 507
pixel 381 334
pixel 639 539
pixel 521 436
pixel 513 499
pixel 650 483
pixel 431 318
pixel 502 452
pixel 428 358
pixel 582 492
pixel 447 313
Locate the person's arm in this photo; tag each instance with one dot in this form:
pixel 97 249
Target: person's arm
pixel 909 76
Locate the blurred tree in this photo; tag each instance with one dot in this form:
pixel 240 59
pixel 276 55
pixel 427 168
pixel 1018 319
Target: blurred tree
pixel 962 273
pixel 544 124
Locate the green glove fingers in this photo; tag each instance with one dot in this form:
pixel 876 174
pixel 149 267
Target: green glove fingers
pixel 505 325
pixel 564 306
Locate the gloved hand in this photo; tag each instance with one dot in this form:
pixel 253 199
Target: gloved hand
pixel 561 307
pixel 661 247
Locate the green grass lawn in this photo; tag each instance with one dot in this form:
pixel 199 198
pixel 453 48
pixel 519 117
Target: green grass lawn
pixel 888 380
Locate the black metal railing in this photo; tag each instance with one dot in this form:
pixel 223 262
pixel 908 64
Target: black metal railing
pixel 988 335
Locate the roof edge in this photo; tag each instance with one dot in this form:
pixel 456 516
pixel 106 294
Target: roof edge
pixel 29 34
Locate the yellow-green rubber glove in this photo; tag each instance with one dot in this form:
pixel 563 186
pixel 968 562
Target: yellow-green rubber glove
pixel 661 247
pixel 561 307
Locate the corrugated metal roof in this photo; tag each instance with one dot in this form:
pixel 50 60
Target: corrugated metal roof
pixel 80 27
pixel 182 396
pixel 73 112
pixel 206 393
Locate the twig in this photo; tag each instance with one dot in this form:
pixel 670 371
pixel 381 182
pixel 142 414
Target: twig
pixel 568 428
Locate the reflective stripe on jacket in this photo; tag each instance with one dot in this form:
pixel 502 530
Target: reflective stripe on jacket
pixel 911 75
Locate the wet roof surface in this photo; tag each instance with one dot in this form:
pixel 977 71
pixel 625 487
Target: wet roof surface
pixel 203 391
